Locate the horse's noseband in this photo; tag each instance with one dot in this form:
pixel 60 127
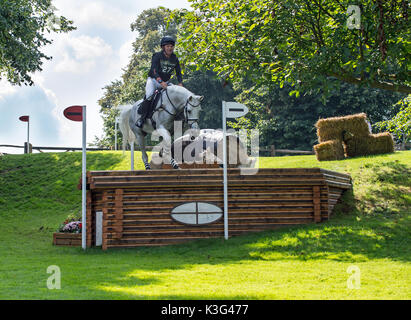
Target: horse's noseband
pixel 193 120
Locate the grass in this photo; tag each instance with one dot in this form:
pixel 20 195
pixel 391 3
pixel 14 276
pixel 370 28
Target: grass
pixel 370 229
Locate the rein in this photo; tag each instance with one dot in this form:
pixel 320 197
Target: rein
pixel 177 113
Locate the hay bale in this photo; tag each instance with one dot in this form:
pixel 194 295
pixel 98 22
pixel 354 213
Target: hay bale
pixel 329 150
pixel 370 145
pixel 342 128
pixel 382 143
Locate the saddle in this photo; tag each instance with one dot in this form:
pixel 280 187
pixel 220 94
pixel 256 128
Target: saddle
pixel 148 108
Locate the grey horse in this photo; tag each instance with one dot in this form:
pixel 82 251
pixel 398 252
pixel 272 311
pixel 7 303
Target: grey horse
pixel 175 101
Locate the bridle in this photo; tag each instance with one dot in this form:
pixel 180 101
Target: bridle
pixel 177 113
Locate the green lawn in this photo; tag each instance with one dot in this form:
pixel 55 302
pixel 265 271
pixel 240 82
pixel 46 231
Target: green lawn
pixel 370 229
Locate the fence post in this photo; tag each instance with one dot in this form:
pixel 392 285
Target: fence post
pixel 272 150
pixel 28 147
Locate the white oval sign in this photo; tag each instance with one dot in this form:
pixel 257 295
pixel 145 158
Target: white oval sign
pixel 196 213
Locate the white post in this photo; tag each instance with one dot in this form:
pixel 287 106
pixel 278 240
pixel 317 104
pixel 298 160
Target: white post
pixel 99 228
pixel 116 129
pixel 115 139
pixel 28 136
pixel 132 156
pixel 84 186
pixel 225 172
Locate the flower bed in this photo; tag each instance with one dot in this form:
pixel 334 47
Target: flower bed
pixel 69 233
pixel 67 239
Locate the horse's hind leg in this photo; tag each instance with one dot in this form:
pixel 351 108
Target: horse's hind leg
pixel 142 145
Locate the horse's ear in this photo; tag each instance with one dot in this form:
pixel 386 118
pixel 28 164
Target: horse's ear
pixel 201 98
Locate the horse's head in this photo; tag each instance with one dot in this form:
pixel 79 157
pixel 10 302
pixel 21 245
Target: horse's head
pixel 192 111
pixel 190 102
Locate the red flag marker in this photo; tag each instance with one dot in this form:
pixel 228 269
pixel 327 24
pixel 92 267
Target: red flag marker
pixel 74 113
pixel 24 118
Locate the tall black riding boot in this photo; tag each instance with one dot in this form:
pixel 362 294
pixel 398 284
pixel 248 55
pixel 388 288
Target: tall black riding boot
pixel 146 108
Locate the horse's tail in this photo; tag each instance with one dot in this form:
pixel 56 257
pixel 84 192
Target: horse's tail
pixel 128 135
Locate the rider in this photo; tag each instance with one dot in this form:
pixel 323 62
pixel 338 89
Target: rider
pixel 163 65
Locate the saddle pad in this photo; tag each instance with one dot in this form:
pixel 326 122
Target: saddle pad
pixel 140 108
pixel 143 107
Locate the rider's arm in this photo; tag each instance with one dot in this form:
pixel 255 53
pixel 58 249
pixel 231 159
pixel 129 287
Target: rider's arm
pixel 155 66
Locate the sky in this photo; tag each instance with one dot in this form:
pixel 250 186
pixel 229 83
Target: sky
pixel 84 61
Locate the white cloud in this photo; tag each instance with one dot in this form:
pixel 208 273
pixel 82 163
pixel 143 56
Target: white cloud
pixel 6 88
pixel 125 53
pixel 95 13
pixel 80 54
pixel 86 47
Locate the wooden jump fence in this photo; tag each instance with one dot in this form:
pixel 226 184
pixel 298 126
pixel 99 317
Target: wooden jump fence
pixel 271 150
pixel 67 149
pixel 136 206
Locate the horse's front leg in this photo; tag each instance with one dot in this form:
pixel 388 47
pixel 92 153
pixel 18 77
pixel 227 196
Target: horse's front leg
pixel 142 145
pixel 166 144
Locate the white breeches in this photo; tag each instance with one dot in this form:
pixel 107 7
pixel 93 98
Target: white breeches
pixel 151 86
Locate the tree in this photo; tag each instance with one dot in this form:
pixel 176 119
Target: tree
pixel 288 122
pixel 400 124
pixel 151 25
pixel 23 28
pixel 304 43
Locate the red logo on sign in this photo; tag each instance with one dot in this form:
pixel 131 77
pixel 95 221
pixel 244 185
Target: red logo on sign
pixel 74 113
pixel 24 118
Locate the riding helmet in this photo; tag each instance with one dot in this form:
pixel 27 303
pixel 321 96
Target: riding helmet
pixel 167 40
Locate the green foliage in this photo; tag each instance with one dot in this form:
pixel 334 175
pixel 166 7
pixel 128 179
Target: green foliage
pixel 300 42
pixel 23 28
pixel 283 116
pixel 211 87
pixel 288 122
pixel 400 124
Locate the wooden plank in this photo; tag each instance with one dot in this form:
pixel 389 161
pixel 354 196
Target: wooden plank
pixel 89 218
pixel 316 201
pixel 208 183
pixel 210 177
pixel 67 235
pixel 180 172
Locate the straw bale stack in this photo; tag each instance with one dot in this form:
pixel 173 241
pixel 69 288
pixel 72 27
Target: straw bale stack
pixel 341 127
pixel 349 136
pixel 329 150
pixel 372 144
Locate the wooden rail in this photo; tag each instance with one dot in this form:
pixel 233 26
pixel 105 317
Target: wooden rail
pixel 273 151
pixel 137 205
pixel 54 148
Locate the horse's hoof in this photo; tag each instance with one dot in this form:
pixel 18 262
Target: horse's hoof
pixel 148 167
pixel 174 164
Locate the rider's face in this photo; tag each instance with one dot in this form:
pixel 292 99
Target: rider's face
pixel 168 48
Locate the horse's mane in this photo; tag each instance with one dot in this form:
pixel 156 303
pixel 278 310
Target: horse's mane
pixel 180 89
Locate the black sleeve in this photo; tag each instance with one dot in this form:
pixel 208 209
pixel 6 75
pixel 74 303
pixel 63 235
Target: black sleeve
pixel 178 72
pixel 155 66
